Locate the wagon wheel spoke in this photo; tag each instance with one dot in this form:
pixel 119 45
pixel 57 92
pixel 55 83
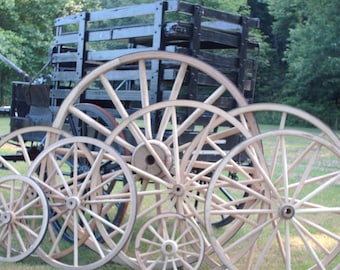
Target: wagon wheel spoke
pixel 23 217
pixel 83 202
pixel 170 241
pixel 293 217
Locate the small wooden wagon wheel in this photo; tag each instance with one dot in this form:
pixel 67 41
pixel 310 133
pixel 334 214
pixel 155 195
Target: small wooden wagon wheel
pixel 170 241
pixel 23 217
pixel 79 202
pixel 79 128
pixel 293 207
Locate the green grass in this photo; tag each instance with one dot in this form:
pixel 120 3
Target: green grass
pixel 4 125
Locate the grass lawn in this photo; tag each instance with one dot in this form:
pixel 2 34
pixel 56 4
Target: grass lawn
pixel 4 125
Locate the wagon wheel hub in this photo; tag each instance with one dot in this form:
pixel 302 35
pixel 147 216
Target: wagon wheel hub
pixel 178 190
pixel 6 217
pixel 72 203
pixel 145 157
pixel 31 193
pixel 169 248
pixel 287 211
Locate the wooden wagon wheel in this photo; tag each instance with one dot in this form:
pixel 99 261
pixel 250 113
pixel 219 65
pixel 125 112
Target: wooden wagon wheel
pixel 169 241
pixel 280 117
pixel 178 64
pixel 23 217
pixel 294 205
pixel 19 148
pixel 80 203
pixel 173 166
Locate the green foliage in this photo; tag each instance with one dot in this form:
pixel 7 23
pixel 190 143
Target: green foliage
pixel 304 57
pixel 236 6
pixel 313 57
pixel 26 33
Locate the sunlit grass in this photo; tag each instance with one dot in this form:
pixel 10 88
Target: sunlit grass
pixel 4 125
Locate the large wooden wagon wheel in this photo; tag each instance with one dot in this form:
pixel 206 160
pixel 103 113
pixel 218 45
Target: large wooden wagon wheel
pixel 173 166
pixel 220 91
pixel 23 217
pixel 144 93
pixel 80 203
pixel 172 239
pixel 280 117
pixel 295 205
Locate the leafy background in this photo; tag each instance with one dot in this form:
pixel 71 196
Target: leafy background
pixel 300 46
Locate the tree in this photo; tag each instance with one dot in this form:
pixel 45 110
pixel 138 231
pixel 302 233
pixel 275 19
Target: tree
pixel 305 56
pixel 26 33
pixel 270 67
pixel 313 58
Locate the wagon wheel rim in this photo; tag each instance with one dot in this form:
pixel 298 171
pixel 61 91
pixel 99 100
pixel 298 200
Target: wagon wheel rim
pixel 101 76
pixel 168 241
pixel 80 201
pixel 168 176
pixel 282 117
pixel 23 217
pixel 19 148
pixel 293 207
